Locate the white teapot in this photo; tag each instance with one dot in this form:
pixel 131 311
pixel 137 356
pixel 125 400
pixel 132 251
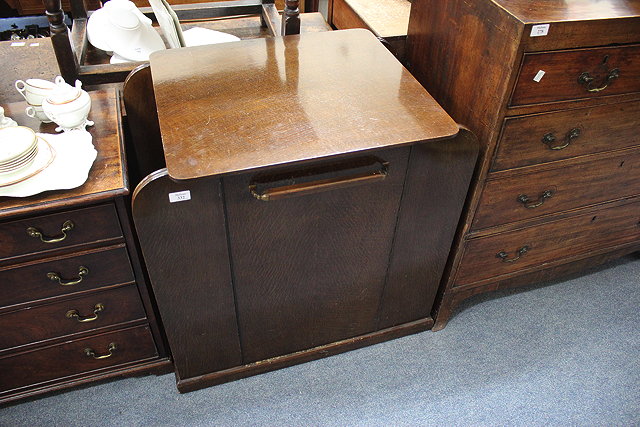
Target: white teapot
pixel 68 106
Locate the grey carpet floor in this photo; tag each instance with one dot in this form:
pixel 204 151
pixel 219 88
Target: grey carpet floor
pixel 557 354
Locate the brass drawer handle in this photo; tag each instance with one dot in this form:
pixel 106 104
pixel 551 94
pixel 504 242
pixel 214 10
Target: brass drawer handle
pixel 66 227
pixel 82 272
pixel 89 352
pixel 550 138
pixel 587 80
pixel 524 199
pixel 520 252
pixel 84 319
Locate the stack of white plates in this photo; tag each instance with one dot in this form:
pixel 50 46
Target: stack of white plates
pixel 18 148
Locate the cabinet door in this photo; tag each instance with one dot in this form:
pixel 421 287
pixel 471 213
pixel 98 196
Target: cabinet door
pixel 310 248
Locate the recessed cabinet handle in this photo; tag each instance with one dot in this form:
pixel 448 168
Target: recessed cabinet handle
pixel 89 352
pixel 317 179
pixel 549 138
pixel 587 80
pixel 82 272
pixel 519 253
pixel 66 227
pixel 524 199
pixel 71 314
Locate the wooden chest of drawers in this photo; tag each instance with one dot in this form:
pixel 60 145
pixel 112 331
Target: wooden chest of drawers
pixel 74 306
pixel 552 90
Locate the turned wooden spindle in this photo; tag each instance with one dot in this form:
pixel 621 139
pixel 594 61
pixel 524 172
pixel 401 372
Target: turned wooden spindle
pixel 291 18
pixel 60 39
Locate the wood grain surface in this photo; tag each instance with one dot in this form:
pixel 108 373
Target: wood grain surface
pixel 185 249
pixel 313 264
pixel 486 38
pixel 255 103
pixel 95 224
pixel 106 267
pixel 145 141
pixel 591 231
pixel 37 323
pixel 385 18
pixel 44 365
pixel 33 60
pixel 425 228
pixel 562 10
pixel 549 275
pixel 589 181
pixel 523 138
pixel 563 70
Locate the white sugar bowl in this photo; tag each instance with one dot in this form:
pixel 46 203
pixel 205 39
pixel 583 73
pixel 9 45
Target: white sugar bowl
pixel 68 106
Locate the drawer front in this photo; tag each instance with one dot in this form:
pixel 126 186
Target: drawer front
pixel 51 232
pixel 555 136
pixel 496 255
pixel 523 196
pixel 76 357
pixel 64 275
pixel 577 74
pixel 70 316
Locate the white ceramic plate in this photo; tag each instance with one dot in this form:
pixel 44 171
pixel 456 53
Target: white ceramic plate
pixel 45 156
pixel 176 22
pixel 74 156
pixel 200 36
pixel 167 25
pixel 14 167
pixel 15 143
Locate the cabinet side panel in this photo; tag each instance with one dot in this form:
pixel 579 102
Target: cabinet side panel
pixel 437 181
pixel 463 53
pixel 184 245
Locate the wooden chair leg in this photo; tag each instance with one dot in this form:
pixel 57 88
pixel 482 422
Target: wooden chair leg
pixel 291 18
pixel 61 40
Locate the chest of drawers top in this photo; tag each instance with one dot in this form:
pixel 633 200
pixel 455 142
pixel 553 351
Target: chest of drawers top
pixel 613 20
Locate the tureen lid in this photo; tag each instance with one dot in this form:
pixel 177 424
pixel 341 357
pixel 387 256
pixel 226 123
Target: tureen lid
pixel 64 92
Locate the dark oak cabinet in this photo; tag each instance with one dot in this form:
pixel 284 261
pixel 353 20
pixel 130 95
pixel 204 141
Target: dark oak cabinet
pixel 304 228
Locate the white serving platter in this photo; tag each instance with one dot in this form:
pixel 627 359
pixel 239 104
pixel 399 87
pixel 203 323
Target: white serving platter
pixel 72 156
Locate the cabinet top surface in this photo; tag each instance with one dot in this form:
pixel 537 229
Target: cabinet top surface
pixel 529 11
pixel 256 103
pixel 106 177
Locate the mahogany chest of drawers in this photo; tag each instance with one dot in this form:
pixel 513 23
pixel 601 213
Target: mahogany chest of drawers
pixel 74 306
pixel 552 90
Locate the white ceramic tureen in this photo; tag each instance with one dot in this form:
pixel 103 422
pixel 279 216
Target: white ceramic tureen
pixel 68 106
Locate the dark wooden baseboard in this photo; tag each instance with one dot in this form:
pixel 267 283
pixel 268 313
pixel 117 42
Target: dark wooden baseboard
pixel 190 384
